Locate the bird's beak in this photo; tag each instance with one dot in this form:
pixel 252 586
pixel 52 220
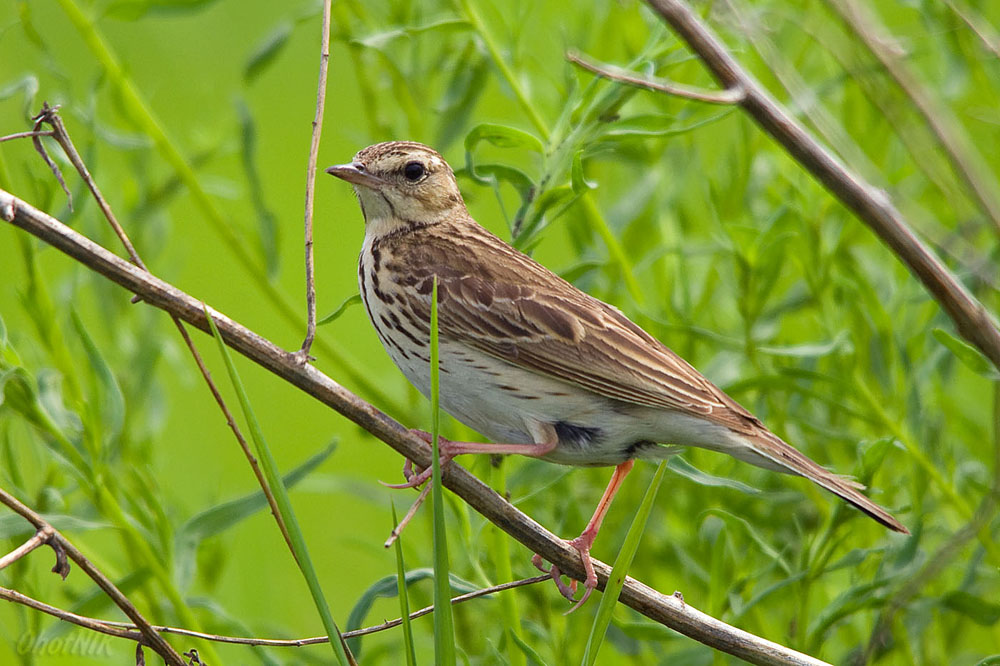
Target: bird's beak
pixel 356 174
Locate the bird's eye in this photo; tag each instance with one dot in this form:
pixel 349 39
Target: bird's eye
pixel 413 171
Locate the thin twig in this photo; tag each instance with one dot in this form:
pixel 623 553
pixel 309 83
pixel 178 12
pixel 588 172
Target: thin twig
pixel 26 135
pixel 667 610
pixel 398 529
pixel 50 115
pixel 871 205
pixel 732 95
pixel 61 544
pixel 36 140
pixel 127 630
pixel 317 130
pixel 39 538
pixel 966 160
pixel 100 626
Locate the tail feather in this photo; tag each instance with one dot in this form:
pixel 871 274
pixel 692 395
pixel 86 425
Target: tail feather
pixel 777 452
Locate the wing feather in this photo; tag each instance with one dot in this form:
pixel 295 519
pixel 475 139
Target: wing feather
pixel 521 312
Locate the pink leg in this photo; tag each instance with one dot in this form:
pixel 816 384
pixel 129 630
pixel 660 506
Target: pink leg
pixel 583 542
pixel 544 435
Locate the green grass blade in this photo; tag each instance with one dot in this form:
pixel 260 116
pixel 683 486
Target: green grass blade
pixel 622 563
pixel 500 548
pixel 273 478
pixel 444 623
pixel 404 602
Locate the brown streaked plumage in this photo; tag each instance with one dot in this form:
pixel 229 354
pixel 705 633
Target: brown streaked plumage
pixel 527 358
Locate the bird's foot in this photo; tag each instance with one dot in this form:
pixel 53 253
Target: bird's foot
pixel 417 479
pixel 582 545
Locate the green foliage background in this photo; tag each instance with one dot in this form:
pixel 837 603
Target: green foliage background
pixel 697 226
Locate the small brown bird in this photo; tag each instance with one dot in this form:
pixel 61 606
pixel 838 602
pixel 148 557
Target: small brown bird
pixel 526 358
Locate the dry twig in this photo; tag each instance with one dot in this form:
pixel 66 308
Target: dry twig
pixel 302 356
pixel 127 630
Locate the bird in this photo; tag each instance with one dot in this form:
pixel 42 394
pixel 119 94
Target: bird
pixel 527 359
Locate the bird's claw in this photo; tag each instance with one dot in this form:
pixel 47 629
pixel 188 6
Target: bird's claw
pixel 417 479
pixel 569 591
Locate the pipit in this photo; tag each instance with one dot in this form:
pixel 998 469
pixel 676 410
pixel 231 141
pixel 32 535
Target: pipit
pixel 526 358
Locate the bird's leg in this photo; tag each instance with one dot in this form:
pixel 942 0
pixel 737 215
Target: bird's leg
pixel 583 542
pixel 544 435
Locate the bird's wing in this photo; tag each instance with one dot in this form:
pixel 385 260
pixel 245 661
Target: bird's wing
pixel 501 302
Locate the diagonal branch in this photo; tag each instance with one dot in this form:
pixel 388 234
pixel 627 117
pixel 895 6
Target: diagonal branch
pixel 728 96
pixel 871 205
pixel 668 610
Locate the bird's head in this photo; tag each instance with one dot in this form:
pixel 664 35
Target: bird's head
pixel 401 184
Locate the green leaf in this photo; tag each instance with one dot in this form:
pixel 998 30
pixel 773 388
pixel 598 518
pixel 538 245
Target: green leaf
pixel 219 518
pixel 533 657
pixel 267 222
pixel 132 10
pixel 815 350
pixel 577 178
pixel 387 588
pixel 470 72
pixel 494 174
pixel 107 394
pixel 623 561
pixel 267 50
pixel 502 136
pixel 979 610
pixel 971 357
pixel 14 526
pixel 381 39
pixel 333 316
pixel 643 126
pixel 682 467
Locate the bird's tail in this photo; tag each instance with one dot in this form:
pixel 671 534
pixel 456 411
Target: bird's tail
pixel 785 458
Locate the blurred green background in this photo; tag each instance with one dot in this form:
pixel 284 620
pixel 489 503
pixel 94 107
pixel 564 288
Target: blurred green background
pixel 194 117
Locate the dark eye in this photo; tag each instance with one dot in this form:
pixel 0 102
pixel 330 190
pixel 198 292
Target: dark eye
pixel 413 171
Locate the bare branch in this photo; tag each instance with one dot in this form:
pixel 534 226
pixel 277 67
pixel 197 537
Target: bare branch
pixel 729 96
pixel 39 538
pixel 665 609
pixel 871 205
pixel 59 543
pixel 86 622
pixel 26 135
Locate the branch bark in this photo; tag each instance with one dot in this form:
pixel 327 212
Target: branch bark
pixel 871 205
pixel 668 610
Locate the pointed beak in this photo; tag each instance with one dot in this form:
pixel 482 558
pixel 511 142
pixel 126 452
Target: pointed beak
pixel 356 174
